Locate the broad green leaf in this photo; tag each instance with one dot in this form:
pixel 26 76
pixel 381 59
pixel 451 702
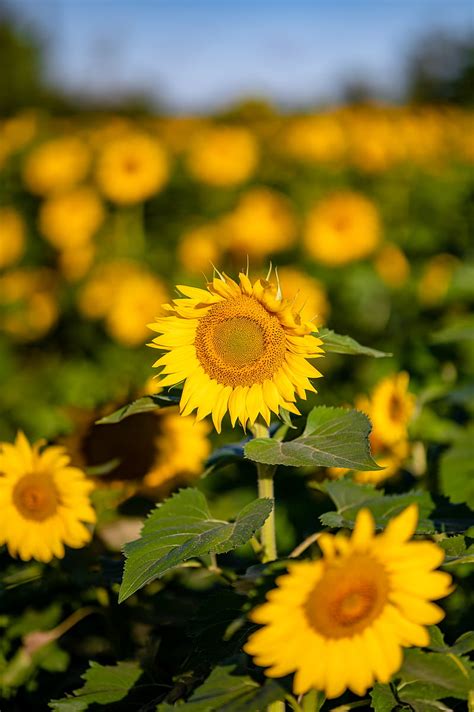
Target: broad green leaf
pixel 181 529
pixel 457 552
pixel 333 437
pixel 349 497
pixel 104 684
pixel 141 405
pixel 456 471
pixel 337 344
pixel 428 676
pixel 429 426
pixel 464 644
pixel 461 330
pixel 228 691
pixel 383 699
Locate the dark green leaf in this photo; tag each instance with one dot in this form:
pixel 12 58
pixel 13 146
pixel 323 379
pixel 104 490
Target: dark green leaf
pixel 383 699
pixel 431 676
pixel 333 437
pixel 227 691
pixel 459 331
pixel 349 497
pixel 141 405
pixel 335 343
pixel 457 470
pixel 181 529
pixel 104 684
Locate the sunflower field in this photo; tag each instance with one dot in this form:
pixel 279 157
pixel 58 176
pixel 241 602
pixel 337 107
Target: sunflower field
pixel 271 507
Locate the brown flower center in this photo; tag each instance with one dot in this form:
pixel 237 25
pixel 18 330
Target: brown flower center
pixel 350 595
pixel 239 342
pixel 36 497
pixel 395 408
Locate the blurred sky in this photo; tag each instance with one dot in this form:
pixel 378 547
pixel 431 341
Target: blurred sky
pixel 201 54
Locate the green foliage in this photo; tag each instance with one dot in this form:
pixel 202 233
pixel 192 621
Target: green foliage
pixel 349 497
pixel 181 529
pixel 103 685
pixel 460 330
pixel 141 405
pixel 228 691
pixel 337 344
pixel 457 470
pixel 333 437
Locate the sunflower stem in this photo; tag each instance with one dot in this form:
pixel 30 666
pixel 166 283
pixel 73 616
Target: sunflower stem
pixel 265 489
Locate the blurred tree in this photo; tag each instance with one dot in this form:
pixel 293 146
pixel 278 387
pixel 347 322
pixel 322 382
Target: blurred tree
pixel 441 70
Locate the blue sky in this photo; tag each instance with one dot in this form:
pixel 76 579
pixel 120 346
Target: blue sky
pixel 202 54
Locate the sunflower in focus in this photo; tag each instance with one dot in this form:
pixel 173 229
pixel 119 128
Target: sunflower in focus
pixel 223 155
pixel 342 228
pixel 56 165
pixel 44 501
pixel 238 347
pixel 131 168
pixel 71 219
pixel 341 622
pixel 12 231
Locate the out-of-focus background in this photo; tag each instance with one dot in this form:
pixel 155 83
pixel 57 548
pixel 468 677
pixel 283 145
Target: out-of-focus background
pixel 142 142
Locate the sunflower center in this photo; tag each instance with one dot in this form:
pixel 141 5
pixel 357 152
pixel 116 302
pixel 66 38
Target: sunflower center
pixel 239 343
pixel 350 595
pixel 395 408
pixel 36 497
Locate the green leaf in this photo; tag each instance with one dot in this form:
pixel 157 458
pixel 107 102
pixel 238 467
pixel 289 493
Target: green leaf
pixel 333 437
pixel 461 330
pixel 456 471
pixel 456 551
pixel 227 691
pixel 141 405
pixel 104 684
pixel 181 529
pixel 383 699
pixel 337 344
pixel 349 497
pixel 431 676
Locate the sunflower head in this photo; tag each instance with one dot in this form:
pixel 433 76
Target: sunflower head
pixel 342 621
pixel 44 501
pixel 238 347
pixel 391 408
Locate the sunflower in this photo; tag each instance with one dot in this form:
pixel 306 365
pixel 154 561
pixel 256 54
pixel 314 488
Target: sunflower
pixel 308 293
pixel 44 501
pixel 56 165
pixel 391 408
pixel 69 220
pixel 132 168
pixel 342 621
pixel 239 347
pixel 342 228
pixel 152 449
pixel 392 265
pixel 223 156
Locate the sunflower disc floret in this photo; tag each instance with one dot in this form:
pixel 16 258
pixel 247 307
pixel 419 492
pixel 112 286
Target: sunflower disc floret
pixel 341 621
pixel 238 347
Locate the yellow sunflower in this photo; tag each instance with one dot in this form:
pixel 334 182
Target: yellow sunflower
pixel 56 165
pixel 44 501
pixel 69 220
pixel 342 621
pixel 238 347
pixel 223 155
pixel 391 408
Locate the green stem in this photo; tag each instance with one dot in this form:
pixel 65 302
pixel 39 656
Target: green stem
pixel 265 489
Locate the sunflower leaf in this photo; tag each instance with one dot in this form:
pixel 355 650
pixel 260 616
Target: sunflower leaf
pixel 141 405
pixel 228 691
pixel 337 344
pixel 103 685
pixel 183 528
pixel 456 471
pixel 435 675
pixel 333 437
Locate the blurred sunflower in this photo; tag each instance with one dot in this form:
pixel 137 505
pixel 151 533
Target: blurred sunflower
pixel 28 303
pixel 391 408
pixel 199 248
pixel 56 165
pixel 131 168
pixel 392 266
pixel 44 501
pixel 342 621
pixel 262 223
pixel 238 347
pixel 342 228
pixel 317 138
pixel 71 219
pixel 308 294
pixel 12 230
pixel 223 155
pixel 152 450
pixel 436 279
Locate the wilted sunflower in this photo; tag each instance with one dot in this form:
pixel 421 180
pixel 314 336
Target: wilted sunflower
pixel 44 501
pixel 341 622
pixel 238 347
